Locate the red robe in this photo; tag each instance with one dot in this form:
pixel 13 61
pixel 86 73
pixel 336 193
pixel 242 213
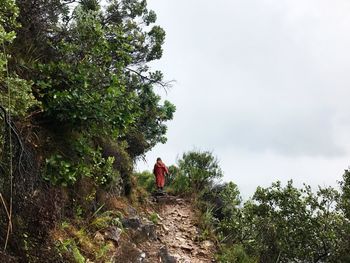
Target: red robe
pixel 159 171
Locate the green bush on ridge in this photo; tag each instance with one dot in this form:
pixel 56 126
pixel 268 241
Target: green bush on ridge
pixel 279 223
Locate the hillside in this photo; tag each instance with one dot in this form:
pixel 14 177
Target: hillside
pixel 80 104
pixel 163 229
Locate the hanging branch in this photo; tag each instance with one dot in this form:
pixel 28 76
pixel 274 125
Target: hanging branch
pixel 12 127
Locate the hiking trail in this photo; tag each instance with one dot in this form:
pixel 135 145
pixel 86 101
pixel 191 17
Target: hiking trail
pixel 177 235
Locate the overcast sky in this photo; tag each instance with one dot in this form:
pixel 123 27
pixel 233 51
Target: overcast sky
pixel 264 84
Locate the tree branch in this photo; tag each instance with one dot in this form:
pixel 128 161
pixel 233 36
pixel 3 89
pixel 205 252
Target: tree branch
pixel 164 85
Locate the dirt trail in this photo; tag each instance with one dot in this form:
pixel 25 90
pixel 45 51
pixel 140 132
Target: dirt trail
pixel 177 235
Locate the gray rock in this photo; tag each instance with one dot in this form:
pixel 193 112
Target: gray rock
pixel 132 212
pixel 112 233
pixel 149 231
pixel 165 256
pixel 133 223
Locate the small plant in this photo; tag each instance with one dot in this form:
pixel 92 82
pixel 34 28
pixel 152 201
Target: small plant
pixel 206 224
pixel 68 248
pixel 106 219
pixel 103 251
pixel 154 218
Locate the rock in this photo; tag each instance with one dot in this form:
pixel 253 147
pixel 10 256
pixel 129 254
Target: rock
pixel 99 239
pixel 180 201
pixel 159 217
pixel 165 257
pixel 128 253
pixel 113 233
pixel 165 228
pixel 132 212
pixel 182 240
pixel 201 253
pixel 207 244
pixel 149 231
pixel 186 247
pixel 142 257
pixel 133 223
pixel 166 199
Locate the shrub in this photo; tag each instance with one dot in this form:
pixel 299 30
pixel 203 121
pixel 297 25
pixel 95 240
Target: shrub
pixel 180 185
pixel 146 180
pixel 234 254
pixel 201 168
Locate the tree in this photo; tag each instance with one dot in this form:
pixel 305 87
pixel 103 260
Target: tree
pixel 285 223
pixel 85 100
pixel 81 72
pixel 345 194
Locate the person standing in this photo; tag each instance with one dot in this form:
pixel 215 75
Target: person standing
pixel 160 170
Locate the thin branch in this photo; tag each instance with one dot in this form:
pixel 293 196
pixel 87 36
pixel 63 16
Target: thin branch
pixel 164 85
pixel 13 129
pixel 6 209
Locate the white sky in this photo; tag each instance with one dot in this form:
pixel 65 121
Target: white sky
pixel 264 84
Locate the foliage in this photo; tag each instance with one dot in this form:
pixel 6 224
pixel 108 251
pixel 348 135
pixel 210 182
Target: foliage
pixel 60 171
pixel 83 68
pixel 75 244
pixel 8 15
pixel 69 247
pixel 284 223
pixel 206 223
pixel 279 224
pixel 15 93
pixel 225 201
pixel 345 196
pixel 234 254
pixel 18 92
pixel 146 180
pixel 180 185
pixel 105 219
pixel 201 168
pixel 97 81
pixel 174 171
pixel 154 218
pixel 75 77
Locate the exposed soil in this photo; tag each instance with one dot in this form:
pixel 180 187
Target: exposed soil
pixel 177 235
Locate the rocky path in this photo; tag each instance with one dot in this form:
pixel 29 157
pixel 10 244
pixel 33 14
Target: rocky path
pixel 177 236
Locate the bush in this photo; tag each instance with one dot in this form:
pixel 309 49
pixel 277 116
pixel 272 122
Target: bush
pixel 201 168
pixel 61 171
pixel 180 185
pixel 146 180
pixel 234 254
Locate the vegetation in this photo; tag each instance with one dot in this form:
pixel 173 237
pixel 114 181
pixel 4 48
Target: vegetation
pixel 79 104
pixel 278 224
